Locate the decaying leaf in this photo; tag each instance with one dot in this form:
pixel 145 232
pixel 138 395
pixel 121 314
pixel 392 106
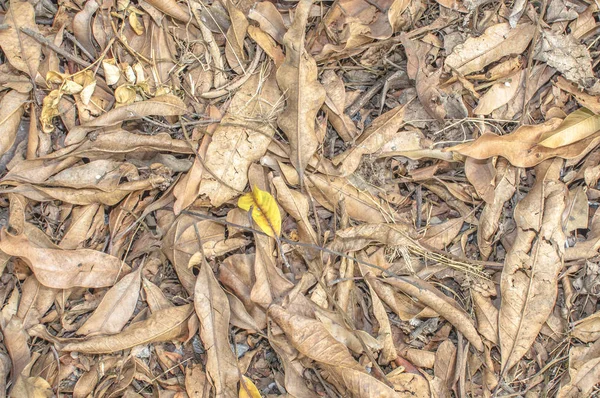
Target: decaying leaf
pixel 529 278
pixel 297 77
pixel 22 51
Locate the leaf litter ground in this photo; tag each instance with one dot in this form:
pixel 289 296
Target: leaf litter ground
pixel 384 198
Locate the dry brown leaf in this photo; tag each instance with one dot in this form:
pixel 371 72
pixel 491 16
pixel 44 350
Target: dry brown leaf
pixel 587 329
pixel 568 56
pixel 521 146
pixel 63 269
pixel 165 105
pixel 268 44
pixel 576 213
pixel 163 325
pixel 445 362
pixel 380 132
pixel 577 126
pixel 481 174
pixel 496 42
pixel 196 383
pixel 22 51
pixel 296 205
pixel 297 78
pixel 442 304
pixel 36 300
pixel 171 8
pixel 311 339
pixel 328 191
pixel 82 27
pixel 240 139
pixel 487 316
pixel 269 19
pixel 15 340
pixel 505 187
pixel 500 93
pixel 212 307
pixel 335 103
pixel 186 189
pixel 116 308
pixel 12 107
pixel 584 371
pixel 32 387
pixel 529 278
pixel 234 47
pixel 155 297
pixel 441 235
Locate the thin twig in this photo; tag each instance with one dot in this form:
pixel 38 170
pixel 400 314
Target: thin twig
pixel 42 40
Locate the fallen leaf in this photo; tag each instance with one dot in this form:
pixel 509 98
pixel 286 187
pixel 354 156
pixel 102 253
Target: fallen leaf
pixel 63 269
pixel 212 307
pixel 521 146
pixel 163 325
pixel 499 94
pixel 248 389
pixel 32 387
pixel 116 307
pixel 166 105
pixel 529 278
pixel 297 77
pixel 234 47
pixel 441 235
pixel 22 51
pixel 12 107
pixel 577 126
pixel 265 211
pixel 381 131
pixel 496 42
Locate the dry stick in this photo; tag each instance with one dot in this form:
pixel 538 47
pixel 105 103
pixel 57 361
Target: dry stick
pixel 213 175
pixel 42 40
pixel 530 60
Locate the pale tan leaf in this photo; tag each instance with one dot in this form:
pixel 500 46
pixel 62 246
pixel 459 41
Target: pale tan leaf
pixel 381 131
pixel 22 51
pixel 529 278
pixel 445 362
pixel 234 47
pixel 335 103
pixel 155 297
pixel 82 27
pixel 196 383
pixel 213 310
pixel 481 174
pixel 269 19
pixel 165 105
pixel 297 77
pixel 63 269
pixel 312 340
pixel 163 325
pixel 576 213
pixel 577 126
pixel 296 205
pixel 487 316
pixel 239 141
pixel 32 387
pixel 499 94
pixel 11 111
pixel 116 308
pixel 587 329
pixel 267 43
pixel 442 304
pixel 16 342
pixel 36 300
pixel 441 235
pixel 521 146
pixel 171 8
pixel 496 42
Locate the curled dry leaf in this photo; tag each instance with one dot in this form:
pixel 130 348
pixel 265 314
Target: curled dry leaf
pixel 496 42
pixel 269 19
pixel 164 325
pixel 165 105
pixel 212 307
pixel 530 275
pixel 442 304
pixel 234 47
pixel 335 103
pixel 501 93
pixel 22 51
pixel 265 211
pixel 382 130
pixel 311 339
pixel 297 77
pixel 522 148
pixel 577 126
pixel 171 8
pixel 63 269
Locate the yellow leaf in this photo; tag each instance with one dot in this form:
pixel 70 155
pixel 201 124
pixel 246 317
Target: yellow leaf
pixel 265 211
pixel 577 126
pixel 250 390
